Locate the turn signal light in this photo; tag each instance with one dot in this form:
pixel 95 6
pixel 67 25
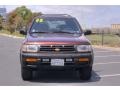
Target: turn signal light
pixel 31 59
pixel 83 60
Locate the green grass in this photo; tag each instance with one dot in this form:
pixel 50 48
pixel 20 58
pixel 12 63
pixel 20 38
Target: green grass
pixel 14 34
pixel 109 40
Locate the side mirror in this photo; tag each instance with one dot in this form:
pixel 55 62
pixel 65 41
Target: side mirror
pixel 87 32
pixel 23 32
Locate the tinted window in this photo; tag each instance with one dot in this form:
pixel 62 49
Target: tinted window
pixel 54 25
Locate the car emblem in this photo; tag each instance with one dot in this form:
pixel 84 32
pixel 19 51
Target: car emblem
pixel 57 49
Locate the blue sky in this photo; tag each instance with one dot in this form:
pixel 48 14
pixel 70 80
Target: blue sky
pixel 88 16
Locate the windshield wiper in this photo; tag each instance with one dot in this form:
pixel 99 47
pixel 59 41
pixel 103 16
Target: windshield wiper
pixel 65 32
pixel 55 32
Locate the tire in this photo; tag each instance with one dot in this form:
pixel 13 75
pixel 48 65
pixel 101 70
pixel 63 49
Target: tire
pixel 85 73
pixel 26 74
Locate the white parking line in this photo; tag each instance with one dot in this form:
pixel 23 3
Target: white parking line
pixel 109 56
pixel 107 63
pixel 111 75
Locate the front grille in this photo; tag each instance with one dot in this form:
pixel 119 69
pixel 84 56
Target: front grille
pixel 57 48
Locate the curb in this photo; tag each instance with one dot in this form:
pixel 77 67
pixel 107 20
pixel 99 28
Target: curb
pixel 107 47
pixel 11 36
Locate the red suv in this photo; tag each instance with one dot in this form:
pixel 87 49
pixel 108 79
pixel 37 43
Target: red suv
pixel 55 41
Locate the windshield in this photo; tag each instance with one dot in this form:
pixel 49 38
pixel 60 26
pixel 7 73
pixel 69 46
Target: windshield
pixel 55 25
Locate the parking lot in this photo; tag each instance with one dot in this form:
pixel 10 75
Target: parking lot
pixel 105 69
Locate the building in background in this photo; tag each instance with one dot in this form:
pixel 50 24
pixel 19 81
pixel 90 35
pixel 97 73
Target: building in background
pixel 115 28
pixel 100 30
pixel 3 12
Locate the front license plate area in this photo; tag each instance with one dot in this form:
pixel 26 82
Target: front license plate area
pixel 57 62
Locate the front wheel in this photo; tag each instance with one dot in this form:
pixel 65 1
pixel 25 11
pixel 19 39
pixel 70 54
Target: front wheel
pixel 85 73
pixel 26 74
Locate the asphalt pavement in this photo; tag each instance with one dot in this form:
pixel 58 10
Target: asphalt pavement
pixel 106 68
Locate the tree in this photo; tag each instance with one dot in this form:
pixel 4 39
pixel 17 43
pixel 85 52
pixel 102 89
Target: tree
pixel 1 21
pixel 25 14
pixel 19 18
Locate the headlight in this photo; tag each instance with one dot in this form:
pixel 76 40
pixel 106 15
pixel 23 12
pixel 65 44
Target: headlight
pixel 30 48
pixel 84 48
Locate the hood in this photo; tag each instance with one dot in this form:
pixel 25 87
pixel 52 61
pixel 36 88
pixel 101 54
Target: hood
pixel 57 39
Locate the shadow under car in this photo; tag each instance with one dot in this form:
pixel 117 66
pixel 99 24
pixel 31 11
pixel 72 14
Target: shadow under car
pixel 62 77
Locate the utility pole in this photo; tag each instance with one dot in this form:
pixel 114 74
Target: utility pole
pixel 102 37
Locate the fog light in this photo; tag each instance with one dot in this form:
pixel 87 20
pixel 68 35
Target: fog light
pixel 83 60
pixel 45 60
pixel 68 60
pixel 32 59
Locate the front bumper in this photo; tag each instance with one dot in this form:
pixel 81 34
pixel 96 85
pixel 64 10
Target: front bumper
pixel 40 64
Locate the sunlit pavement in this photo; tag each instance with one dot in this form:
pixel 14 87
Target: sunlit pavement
pixel 105 69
